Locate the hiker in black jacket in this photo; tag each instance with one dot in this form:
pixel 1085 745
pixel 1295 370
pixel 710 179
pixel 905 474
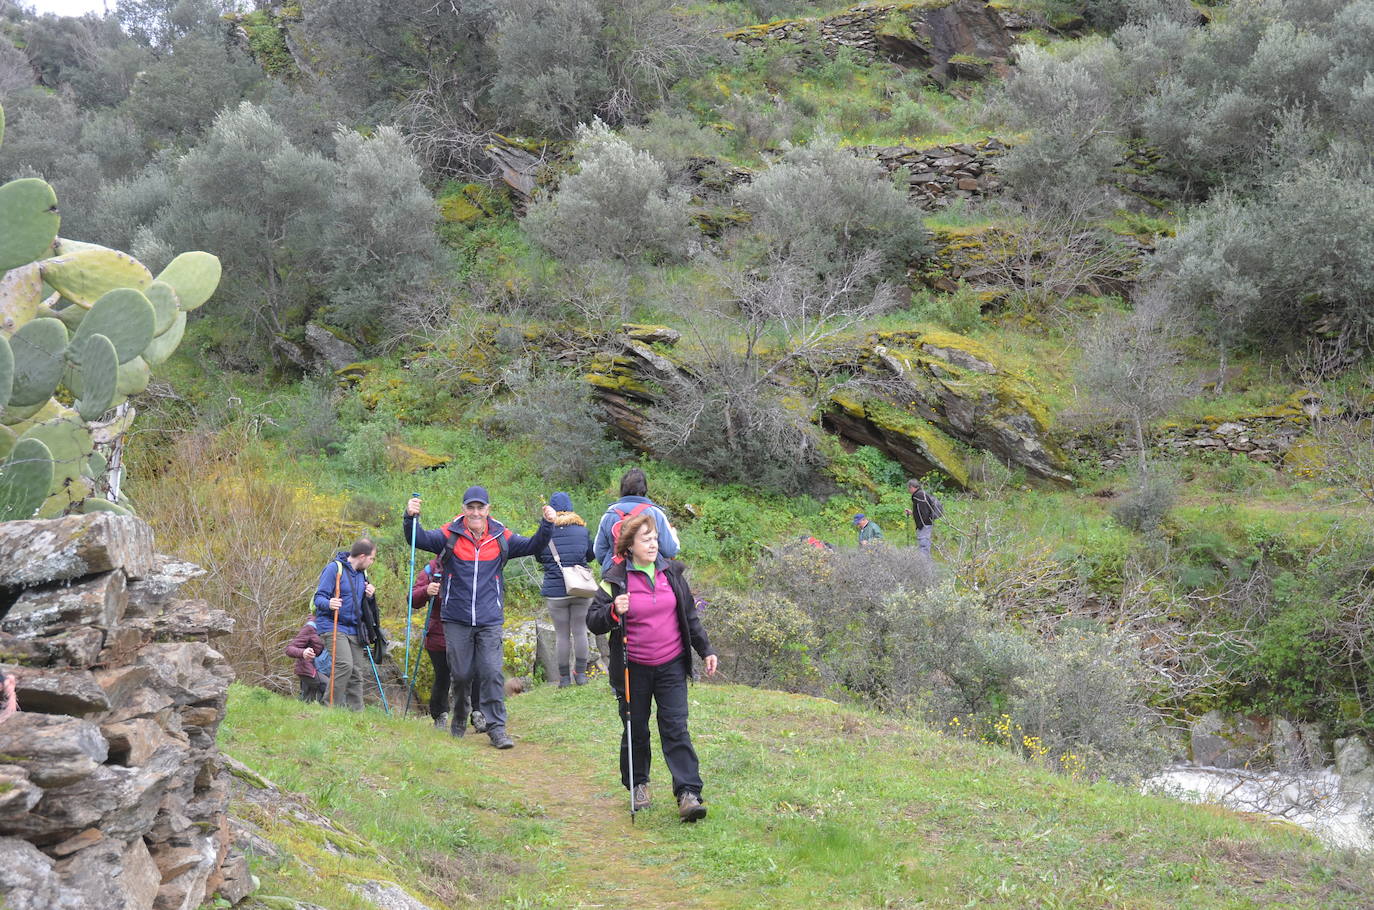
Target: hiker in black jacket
pixel 925 508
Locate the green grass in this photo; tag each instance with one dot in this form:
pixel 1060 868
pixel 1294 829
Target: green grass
pixel 810 802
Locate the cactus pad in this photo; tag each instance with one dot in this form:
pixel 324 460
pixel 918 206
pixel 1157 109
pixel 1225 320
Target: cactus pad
pixel 124 316
pixel 194 275
pixel 83 276
pixel 21 297
pixel 133 378
pixel 99 376
pixel 69 443
pixel 161 347
pixel 28 211
pixel 25 479
pixel 6 372
pixel 164 300
pixel 38 347
pixel 96 504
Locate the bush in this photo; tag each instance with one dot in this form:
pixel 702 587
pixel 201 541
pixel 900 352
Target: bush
pixel 554 413
pixel 1145 506
pixel 618 205
pixel 765 640
pixel 1292 259
pixel 365 452
pixel 827 206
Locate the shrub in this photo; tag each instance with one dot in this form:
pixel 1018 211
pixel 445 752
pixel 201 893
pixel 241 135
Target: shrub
pixel 827 206
pixel 1081 694
pixel 365 452
pixel 618 205
pixel 1144 507
pixel 765 640
pixel 311 419
pixel 555 414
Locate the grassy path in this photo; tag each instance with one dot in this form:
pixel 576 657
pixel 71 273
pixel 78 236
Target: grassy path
pixel 812 803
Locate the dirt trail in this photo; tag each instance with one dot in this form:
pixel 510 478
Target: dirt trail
pixel 602 851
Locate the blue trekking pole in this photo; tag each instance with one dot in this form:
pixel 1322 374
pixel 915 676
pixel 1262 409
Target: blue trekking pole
pixel 377 676
pixel 410 606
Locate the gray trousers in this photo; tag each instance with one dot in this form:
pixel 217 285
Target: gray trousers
pixel 476 650
pixel 350 669
pixel 923 538
pixel 569 616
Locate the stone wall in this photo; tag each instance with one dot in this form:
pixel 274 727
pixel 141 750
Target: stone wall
pixel 944 173
pixel 1265 438
pixel 963 39
pixel 113 792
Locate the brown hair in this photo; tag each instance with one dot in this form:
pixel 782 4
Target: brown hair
pixel 628 529
pixel 363 547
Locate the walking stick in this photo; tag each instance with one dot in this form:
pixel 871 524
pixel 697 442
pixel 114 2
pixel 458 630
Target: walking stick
pixel 334 640
pixel 377 676
pixel 410 686
pixel 410 606
pixel 629 733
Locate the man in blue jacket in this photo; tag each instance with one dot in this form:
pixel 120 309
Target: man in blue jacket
pixel 473 549
pixel 346 574
pixel 634 498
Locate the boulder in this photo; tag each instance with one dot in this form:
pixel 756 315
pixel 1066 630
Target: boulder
pixel 53 751
pixel 46 550
pixel 651 334
pixel 149 594
pixel 111 875
pixel 132 742
pixel 55 691
pixel 27 878
pixel 97 602
pixel 185 872
pixel 186 672
pixel 1355 765
pixel 329 347
pixel 71 647
pixel 1218 740
pixel 18 794
pixel 191 620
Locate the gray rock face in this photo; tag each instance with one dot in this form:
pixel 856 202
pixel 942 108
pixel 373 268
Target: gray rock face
pixel 112 792
pixel 41 551
pixel 332 349
pixel 1355 765
pixel 1222 741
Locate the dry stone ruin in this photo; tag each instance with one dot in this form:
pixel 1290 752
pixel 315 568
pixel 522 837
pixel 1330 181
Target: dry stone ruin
pixel 113 793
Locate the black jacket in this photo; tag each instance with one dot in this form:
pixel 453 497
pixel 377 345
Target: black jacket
pixel 602 619
pixel 923 508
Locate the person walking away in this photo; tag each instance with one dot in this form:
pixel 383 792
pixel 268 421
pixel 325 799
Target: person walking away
pixel 925 509
pixel 570 545
pixel 305 647
pixel 473 549
pixel 648 608
pixel 346 574
pixel 427 587
pixel 868 528
pixel 634 500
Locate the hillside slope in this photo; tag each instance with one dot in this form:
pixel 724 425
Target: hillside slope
pixel 811 803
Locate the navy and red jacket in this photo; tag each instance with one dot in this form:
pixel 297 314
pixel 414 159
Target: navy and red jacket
pixel 473 592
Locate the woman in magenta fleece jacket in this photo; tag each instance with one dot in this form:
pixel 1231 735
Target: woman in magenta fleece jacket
pixel 646 605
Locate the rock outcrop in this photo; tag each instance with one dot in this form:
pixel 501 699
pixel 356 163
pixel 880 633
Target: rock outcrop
pixel 112 790
pixel 955 39
pixel 921 396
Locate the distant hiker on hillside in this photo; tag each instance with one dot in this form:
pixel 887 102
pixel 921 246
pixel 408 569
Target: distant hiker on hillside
pixel 427 586
pixel 343 585
pixel 925 509
pixel 473 549
pixel 634 500
pixel 647 606
pixel 570 545
pixel 305 647
pixel 868 528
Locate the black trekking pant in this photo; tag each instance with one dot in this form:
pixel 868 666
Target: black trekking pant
pixel 666 685
pixel 440 697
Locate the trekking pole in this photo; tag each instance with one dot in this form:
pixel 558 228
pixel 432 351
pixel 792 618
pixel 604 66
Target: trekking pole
pixel 410 602
pixel 629 733
pixel 377 676
pixel 410 686
pixel 334 640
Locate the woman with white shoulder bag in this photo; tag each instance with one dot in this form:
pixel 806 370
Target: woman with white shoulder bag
pixel 568 588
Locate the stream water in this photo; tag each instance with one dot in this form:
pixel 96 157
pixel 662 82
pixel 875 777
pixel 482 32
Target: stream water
pixel 1311 800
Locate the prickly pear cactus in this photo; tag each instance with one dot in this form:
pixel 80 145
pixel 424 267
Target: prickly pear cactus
pixel 77 321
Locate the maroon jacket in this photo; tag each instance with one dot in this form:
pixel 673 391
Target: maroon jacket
pixel 419 600
pixel 307 637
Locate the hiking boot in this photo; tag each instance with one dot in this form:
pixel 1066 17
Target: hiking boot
pixel 580 672
pixel 456 728
pixel 689 807
pixel 479 722
pixel 641 798
pixel 500 739
pixel 441 721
